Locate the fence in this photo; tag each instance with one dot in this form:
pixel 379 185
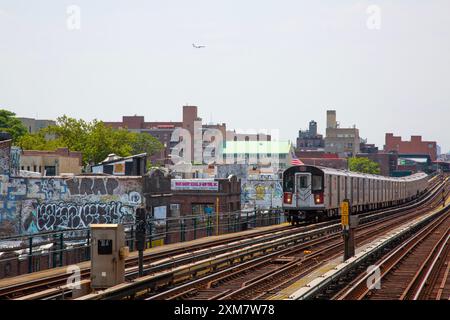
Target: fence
pixel 30 253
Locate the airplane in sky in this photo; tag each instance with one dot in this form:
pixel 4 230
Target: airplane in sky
pixel 198 46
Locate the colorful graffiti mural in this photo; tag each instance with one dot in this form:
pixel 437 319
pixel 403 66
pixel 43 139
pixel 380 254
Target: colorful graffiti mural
pixel 5 147
pixel 14 164
pixel 262 194
pixel 29 205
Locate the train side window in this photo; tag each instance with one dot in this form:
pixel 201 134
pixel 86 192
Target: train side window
pixel 316 183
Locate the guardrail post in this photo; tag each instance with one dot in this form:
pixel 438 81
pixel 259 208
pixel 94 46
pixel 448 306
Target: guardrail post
pixel 195 227
pixel 182 229
pixel 132 238
pixel 167 232
pixel 30 255
pixel 88 244
pixel 54 250
pixel 61 248
pixel 246 221
pixel 150 233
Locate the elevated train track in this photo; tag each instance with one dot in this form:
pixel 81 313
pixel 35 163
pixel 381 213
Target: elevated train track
pixel 264 278
pixel 168 260
pixel 194 279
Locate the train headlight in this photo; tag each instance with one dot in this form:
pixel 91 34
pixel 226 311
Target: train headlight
pixel 288 197
pixel 318 198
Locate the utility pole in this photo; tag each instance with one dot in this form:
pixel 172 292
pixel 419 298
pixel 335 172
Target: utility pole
pixel 217 216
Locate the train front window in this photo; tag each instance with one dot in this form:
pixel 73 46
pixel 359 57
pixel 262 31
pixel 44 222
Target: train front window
pixel 303 182
pixel 316 183
pixel 289 184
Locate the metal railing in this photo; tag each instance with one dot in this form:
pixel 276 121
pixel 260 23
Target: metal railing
pixel 44 250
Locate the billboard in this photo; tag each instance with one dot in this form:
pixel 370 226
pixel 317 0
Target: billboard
pixel 194 184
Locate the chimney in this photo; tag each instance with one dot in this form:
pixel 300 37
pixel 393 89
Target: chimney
pixel 331 119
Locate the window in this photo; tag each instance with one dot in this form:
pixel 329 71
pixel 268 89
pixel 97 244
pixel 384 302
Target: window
pixel 50 170
pixel 303 182
pixel 316 183
pixel 289 183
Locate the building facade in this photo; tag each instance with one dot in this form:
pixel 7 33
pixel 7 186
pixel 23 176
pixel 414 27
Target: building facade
pixel 163 130
pixel 51 163
pixel 343 141
pixel 386 161
pixel 203 197
pixel 310 139
pixel 275 154
pixel 135 165
pixel 34 125
pixel 415 146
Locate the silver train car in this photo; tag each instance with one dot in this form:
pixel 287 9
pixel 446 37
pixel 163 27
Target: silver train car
pixel 313 193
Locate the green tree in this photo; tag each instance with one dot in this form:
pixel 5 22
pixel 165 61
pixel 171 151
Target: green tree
pixel 93 139
pixel 145 142
pixel 38 141
pixel 11 124
pixel 363 165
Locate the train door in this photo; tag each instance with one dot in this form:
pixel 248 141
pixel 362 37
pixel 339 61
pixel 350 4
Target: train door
pixel 346 193
pixel 338 191
pixel 303 189
pixel 329 190
pixel 364 190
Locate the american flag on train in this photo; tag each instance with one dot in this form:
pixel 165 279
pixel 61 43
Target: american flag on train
pixel 295 161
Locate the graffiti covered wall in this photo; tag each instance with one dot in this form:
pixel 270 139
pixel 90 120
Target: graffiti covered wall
pixel 262 193
pixel 5 150
pixel 29 205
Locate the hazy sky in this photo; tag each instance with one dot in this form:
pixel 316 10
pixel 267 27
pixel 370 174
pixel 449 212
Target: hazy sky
pixel 268 64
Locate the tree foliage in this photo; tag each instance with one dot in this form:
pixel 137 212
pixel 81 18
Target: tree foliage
pixel 93 139
pixel 11 124
pixel 363 165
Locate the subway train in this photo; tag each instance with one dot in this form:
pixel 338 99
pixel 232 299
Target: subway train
pixel 312 193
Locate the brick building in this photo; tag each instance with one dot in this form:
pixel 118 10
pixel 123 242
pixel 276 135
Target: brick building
pixel 201 196
pixel 162 130
pixel 415 146
pixel 203 207
pixel 386 161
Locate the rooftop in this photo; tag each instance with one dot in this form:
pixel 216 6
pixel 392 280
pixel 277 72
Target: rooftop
pixel 257 147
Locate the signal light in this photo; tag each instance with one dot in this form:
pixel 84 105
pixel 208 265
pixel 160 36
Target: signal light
pixel 287 197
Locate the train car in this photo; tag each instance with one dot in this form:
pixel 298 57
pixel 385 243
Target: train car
pixel 312 193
